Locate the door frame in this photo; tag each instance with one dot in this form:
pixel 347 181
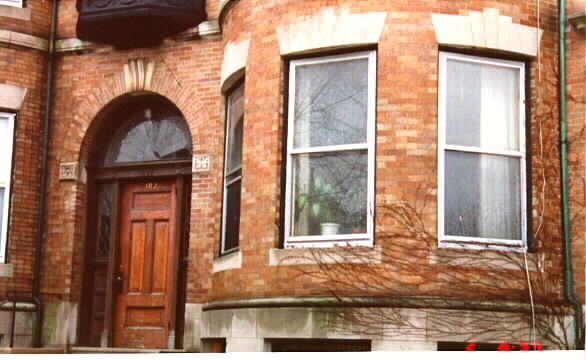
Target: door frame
pixel 116 175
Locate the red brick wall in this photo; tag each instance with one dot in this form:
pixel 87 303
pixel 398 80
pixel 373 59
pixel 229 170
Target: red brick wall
pixel 39 24
pixel 25 68
pixel 407 100
pixel 576 78
pixel 188 74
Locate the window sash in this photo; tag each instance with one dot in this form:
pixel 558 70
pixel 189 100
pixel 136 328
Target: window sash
pixel 232 176
pixel 365 239
pixel 7 147
pixel 453 241
pixel 15 3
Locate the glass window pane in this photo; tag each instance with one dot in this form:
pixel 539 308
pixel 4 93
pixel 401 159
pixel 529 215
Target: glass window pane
pixel 331 103
pixel 104 219
pixel 232 221
pixel 482 105
pixel 5 153
pixel 235 129
pixel 330 188
pixel 483 196
pixel 151 132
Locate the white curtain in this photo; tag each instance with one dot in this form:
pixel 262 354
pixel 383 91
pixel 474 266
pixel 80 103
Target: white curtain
pixel 499 204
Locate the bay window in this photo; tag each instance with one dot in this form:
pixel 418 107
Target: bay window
pixel 330 151
pixel 482 189
pixel 6 142
pixel 233 169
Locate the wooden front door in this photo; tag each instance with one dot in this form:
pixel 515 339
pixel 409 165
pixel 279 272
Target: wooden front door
pixel 146 274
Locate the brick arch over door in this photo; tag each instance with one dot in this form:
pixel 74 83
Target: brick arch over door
pixel 66 223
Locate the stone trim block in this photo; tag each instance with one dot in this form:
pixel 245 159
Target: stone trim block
pixel 384 345
pixel 488 30
pixel 11 97
pixel 25 40
pixel 234 63
pixel 331 28
pixel 227 262
pixel 303 256
pixel 138 75
pixel 68 171
pixel 15 12
pixel 201 163
pixel 6 270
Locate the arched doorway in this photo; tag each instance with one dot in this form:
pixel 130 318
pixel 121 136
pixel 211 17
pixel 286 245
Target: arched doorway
pixel 139 185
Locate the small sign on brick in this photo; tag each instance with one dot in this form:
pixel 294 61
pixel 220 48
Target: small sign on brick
pixel 68 171
pixel 202 163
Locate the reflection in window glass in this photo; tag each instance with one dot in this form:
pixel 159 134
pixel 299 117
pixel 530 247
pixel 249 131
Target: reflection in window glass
pixel 152 131
pixel 330 188
pixel 104 219
pixel 233 169
pixel 330 103
pixel 330 154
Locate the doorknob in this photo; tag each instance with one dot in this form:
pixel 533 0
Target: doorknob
pixel 118 281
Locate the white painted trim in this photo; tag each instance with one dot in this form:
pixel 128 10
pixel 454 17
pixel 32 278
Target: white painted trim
pixel 14 3
pixel 333 148
pixel 478 150
pixel 365 239
pixel 487 29
pixel 449 241
pixel 5 183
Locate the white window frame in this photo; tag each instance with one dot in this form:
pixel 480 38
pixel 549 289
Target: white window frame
pixel 13 3
pixel 227 172
pixel 369 145
pixel 5 183
pixel 451 241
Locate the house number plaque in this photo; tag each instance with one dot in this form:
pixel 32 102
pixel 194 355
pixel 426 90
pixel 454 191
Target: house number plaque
pixel 201 163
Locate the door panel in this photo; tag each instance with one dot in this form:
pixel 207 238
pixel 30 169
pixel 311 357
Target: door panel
pixel 147 243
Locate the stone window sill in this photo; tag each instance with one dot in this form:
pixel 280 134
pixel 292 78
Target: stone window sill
pixel 15 12
pixel 228 262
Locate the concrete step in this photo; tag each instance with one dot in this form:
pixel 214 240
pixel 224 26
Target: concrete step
pixel 105 350
pixel 85 350
pixel 26 350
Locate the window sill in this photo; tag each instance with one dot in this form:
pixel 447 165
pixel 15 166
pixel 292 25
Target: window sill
pixel 229 261
pixel 475 244
pixel 497 260
pixel 6 270
pixel 334 255
pixel 15 12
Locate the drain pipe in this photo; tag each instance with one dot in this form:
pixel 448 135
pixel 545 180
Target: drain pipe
pixel 568 274
pixel 37 335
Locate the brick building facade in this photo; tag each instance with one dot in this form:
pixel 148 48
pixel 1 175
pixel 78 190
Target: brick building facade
pixel 203 142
